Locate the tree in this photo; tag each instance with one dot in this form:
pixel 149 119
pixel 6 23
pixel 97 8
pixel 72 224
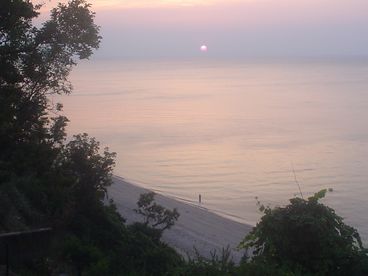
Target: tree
pixel 39 60
pixel 307 237
pixel 35 62
pixel 154 214
pixel 81 160
pixel 45 181
pixel 40 175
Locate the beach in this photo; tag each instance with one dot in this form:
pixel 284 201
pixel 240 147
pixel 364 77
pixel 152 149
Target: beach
pixel 196 227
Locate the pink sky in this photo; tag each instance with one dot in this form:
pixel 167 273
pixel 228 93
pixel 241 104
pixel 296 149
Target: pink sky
pixel 340 24
pixel 223 11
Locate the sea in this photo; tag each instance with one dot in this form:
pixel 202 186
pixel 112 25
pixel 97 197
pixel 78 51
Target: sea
pixel 236 132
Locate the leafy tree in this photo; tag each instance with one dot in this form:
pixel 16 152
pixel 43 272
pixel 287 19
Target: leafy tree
pixel 35 62
pixel 81 161
pixel 43 179
pixel 307 237
pixel 154 214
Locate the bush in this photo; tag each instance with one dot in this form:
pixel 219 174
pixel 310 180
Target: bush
pixel 307 237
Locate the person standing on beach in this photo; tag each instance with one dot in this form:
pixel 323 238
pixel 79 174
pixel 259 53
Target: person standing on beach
pixel 200 199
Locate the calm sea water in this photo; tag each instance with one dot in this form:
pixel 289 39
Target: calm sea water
pixel 232 130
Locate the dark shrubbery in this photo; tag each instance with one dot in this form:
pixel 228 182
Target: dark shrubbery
pixel 306 237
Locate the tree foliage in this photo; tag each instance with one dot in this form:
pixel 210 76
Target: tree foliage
pixel 155 215
pixel 46 181
pixel 39 60
pixel 307 237
pixel 36 62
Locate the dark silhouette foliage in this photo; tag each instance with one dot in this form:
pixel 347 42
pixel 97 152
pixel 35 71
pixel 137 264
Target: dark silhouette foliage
pixel 155 215
pixel 35 62
pixel 218 264
pixel 307 237
pixel 45 181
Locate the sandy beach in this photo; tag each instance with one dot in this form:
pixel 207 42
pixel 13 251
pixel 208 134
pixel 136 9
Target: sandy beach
pixel 196 227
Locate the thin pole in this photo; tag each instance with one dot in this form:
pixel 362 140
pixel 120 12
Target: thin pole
pixel 296 181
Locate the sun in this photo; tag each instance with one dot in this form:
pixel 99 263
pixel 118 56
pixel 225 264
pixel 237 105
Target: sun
pixel 204 48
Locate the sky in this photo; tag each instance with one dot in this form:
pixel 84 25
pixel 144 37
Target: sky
pixel 231 28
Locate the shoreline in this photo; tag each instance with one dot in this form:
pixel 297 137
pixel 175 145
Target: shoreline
pixel 196 227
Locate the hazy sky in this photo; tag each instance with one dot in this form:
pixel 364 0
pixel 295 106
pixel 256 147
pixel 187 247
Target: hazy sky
pixel 231 28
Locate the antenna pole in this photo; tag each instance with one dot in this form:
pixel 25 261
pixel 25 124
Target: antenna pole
pixel 296 180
